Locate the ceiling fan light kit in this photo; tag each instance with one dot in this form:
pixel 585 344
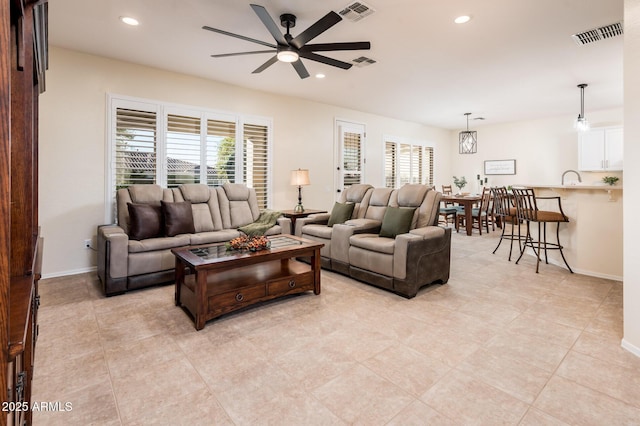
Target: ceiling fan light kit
pixel 291 49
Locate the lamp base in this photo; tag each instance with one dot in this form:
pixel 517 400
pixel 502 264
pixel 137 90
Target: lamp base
pixel 298 208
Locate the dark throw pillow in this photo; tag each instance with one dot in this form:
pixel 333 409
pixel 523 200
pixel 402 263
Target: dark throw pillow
pixel 178 218
pixel 145 221
pixel 396 221
pixel 340 213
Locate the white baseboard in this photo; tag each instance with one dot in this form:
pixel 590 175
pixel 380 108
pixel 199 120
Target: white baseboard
pixel 631 348
pixel 579 271
pixel 70 272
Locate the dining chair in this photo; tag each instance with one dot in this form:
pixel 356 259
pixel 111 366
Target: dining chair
pixel 505 210
pixel 527 211
pixel 479 215
pixel 448 209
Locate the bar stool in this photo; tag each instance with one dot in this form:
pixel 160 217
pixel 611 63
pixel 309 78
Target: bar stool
pixel 505 209
pixel 527 211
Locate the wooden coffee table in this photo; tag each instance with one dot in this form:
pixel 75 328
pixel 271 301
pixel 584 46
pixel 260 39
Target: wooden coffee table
pixel 221 281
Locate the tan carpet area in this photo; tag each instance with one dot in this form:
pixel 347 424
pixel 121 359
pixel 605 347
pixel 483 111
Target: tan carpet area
pixel 498 344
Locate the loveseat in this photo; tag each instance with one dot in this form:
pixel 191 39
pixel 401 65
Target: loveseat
pixel 136 252
pixel 391 239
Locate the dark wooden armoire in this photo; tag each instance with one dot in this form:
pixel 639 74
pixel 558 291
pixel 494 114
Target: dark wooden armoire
pixel 23 61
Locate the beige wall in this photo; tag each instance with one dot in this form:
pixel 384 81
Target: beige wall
pixel 631 296
pixel 72 147
pixel 543 149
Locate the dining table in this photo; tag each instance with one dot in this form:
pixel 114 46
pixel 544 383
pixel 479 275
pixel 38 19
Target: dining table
pixel 467 201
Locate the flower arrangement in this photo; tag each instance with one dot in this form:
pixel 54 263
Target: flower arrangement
pixel 460 183
pixel 249 243
pixel 610 180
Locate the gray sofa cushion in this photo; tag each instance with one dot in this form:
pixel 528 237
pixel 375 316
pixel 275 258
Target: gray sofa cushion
pixel 373 242
pixel 152 244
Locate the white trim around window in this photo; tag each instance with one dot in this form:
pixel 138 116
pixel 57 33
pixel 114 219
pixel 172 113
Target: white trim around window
pixel 150 141
pixel 407 161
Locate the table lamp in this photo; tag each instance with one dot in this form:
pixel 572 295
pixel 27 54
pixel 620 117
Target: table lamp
pixel 299 177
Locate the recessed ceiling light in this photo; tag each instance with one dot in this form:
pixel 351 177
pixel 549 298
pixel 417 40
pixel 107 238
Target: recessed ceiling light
pixel 129 20
pixel 462 19
pixel 320 75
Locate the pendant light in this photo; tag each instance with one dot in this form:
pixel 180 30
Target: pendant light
pixel 581 124
pixel 468 140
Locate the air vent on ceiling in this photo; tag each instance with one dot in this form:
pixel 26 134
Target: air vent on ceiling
pixel 598 34
pixel 356 11
pixel 363 61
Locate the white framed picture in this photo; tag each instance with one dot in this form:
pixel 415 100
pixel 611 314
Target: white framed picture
pixel 500 167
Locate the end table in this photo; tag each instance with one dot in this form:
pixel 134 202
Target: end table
pixel 294 215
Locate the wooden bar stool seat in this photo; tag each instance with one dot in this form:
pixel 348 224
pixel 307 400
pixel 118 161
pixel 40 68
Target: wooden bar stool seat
pixel 527 211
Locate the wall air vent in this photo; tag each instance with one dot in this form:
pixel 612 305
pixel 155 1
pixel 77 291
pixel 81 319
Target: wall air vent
pixel 597 34
pixel 363 61
pixel 356 11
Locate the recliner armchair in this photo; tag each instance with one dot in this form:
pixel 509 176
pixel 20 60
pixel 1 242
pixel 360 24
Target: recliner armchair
pixel 409 261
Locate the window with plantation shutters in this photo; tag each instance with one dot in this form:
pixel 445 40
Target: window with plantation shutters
pixel 183 150
pixel 407 163
pixel 134 147
pixel 221 152
pixel 170 145
pixel 255 167
pixel 390 164
pixel 352 158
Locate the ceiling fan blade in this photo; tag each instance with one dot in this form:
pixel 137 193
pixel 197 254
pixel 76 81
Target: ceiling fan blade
pixel 241 37
pixel 300 69
pixel 327 47
pixel 224 55
pixel 322 25
pixel 269 23
pixel 266 65
pixel 325 60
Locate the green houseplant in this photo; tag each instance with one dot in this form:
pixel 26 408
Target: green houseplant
pixel 610 180
pixel 460 183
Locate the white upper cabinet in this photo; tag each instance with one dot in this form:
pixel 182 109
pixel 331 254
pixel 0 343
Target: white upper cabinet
pixel 601 149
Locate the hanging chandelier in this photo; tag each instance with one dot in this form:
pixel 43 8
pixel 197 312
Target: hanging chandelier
pixel 468 140
pixel 581 124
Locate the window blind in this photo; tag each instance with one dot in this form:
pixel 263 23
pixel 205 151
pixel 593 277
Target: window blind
pixel 407 163
pixel 221 152
pixel 183 150
pixel 352 158
pixel 390 164
pixel 135 147
pixel 404 164
pixel 256 161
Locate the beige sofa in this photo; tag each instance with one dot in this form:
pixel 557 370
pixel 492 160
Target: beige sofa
pixel 125 263
pixel 402 264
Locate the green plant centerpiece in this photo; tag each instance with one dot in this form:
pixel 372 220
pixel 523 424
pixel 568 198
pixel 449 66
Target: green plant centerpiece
pixel 460 183
pixel 610 180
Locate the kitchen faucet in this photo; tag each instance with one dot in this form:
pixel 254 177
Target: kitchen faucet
pixel 577 174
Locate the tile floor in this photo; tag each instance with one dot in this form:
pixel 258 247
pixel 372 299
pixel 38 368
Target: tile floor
pixel 497 345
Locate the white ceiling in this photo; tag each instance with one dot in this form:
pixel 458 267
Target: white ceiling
pixel 514 60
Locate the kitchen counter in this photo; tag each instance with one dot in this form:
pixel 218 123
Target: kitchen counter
pixel 594 235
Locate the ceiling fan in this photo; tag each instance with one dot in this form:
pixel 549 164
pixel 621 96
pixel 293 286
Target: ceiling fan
pixel 291 49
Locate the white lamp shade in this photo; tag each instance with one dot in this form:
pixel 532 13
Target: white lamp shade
pixel 300 177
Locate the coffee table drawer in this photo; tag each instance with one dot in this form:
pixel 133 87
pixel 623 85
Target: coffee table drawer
pixel 236 298
pixel 292 284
